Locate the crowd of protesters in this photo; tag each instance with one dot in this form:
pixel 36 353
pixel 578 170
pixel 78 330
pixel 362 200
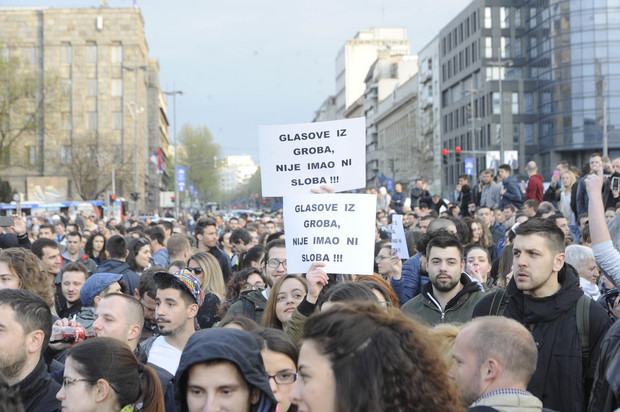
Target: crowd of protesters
pixel 507 303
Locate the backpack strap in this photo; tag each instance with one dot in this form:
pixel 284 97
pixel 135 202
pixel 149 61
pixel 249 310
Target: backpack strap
pixel 496 304
pixel 583 324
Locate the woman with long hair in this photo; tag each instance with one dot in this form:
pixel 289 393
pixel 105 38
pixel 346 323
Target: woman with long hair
pixel 481 235
pixel 20 269
pixel 207 269
pixel 245 280
pixel 104 375
pixel 280 356
pixel 360 358
pixel 95 247
pixel 139 257
pixel 286 294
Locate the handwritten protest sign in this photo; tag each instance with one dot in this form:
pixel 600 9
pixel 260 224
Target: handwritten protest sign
pixel 399 242
pixel 337 229
pixel 296 158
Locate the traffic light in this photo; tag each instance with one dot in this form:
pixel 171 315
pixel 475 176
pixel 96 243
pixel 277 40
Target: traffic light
pixel 444 155
pixel 458 153
pixel 173 199
pixel 134 196
pixel 112 198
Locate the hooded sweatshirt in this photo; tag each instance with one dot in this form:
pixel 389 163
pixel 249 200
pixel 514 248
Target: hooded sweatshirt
pixel 235 346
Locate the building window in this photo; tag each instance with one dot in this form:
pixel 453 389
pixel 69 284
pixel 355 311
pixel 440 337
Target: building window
pixel 117 53
pixel 91 87
pixel 91 52
pixel 66 155
pixel 517 17
pixel 528 134
pixel 504 17
pixel 30 55
pixel 518 47
pixel 505 47
pixel 474 22
pixel 488 21
pixel 31 155
pixel 65 53
pixel 92 121
pixel 528 103
pixel 488 47
pixel 117 87
pixel 496 104
pixel 66 87
pixel 117 120
pixel 515 103
pixel 65 118
pixel 5 53
pixel 29 88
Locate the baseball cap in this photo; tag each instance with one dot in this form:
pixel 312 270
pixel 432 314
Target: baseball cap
pixel 95 284
pixel 185 279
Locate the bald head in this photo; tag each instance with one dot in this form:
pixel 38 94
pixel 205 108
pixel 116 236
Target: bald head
pixel 441 223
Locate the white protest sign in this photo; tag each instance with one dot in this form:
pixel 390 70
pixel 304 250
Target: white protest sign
pixel 296 158
pixel 337 229
pixel 399 242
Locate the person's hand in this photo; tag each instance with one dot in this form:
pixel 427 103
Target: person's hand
pixel 324 189
pixel 473 270
pixel 316 279
pixel 555 177
pixel 19 225
pixel 396 264
pixel 62 323
pixel 594 184
pixel 458 188
pixel 523 185
pixel 502 191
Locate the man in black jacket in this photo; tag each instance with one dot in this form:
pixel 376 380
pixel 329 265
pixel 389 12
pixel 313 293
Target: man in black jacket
pixel 26 326
pixel 544 296
pixel 206 237
pixel 116 252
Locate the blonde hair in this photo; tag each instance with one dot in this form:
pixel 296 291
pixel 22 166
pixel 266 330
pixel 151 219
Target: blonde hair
pixel 446 335
pixel 213 280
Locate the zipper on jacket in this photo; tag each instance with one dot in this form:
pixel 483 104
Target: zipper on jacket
pixel 432 299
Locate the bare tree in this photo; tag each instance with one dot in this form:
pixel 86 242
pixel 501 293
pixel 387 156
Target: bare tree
pixel 90 167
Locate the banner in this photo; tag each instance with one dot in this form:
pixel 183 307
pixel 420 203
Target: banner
pixel 337 229
pixel 399 242
pixel 296 158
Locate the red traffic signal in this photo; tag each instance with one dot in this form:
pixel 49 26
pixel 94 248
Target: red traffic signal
pixel 458 149
pixel 444 152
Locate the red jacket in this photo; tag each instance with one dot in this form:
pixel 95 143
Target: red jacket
pixel 535 188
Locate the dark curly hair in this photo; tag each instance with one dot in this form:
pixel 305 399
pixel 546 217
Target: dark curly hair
pixel 382 360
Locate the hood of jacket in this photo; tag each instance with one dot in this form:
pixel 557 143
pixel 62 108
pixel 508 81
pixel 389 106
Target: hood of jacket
pixel 65 256
pixel 530 310
pixel 235 346
pixel 469 286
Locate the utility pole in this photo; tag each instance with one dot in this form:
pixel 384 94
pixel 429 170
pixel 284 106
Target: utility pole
pixel 176 148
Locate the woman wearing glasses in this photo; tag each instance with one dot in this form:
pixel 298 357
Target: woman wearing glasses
pixel 280 356
pixel 104 375
pixel 206 268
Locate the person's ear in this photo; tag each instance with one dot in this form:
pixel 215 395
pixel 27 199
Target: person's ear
pixel 134 332
pixel 136 294
pixel 107 254
pixel 558 262
pixel 34 341
pixel 102 390
pixel 192 310
pixel 96 301
pixel 490 369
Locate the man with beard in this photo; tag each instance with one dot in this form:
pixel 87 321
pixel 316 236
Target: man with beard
pixel 25 329
pixel 450 295
pixel 568 327
pixel 176 305
pixel 494 359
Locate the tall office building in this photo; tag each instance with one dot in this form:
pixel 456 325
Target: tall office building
pixel 94 102
pixel 355 58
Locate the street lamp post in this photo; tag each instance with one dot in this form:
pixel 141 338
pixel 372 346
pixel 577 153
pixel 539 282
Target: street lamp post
pixel 500 65
pixel 176 147
pixel 135 118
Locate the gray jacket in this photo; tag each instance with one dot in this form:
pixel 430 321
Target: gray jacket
pixel 490 195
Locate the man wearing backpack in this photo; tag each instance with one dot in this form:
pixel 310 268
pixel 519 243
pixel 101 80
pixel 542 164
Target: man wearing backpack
pixel 545 297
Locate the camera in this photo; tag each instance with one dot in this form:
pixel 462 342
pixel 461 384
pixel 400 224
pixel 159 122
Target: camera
pixel 611 296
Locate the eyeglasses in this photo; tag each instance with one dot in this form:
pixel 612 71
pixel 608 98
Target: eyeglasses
pixel 66 381
pixel 275 263
pixel 196 270
pixel 380 258
pixel 255 286
pixel 283 378
pixel 385 303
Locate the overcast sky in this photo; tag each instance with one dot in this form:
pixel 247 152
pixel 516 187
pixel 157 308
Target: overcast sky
pixel 248 63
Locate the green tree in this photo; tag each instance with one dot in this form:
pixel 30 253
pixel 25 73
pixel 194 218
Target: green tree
pixel 26 98
pixel 199 154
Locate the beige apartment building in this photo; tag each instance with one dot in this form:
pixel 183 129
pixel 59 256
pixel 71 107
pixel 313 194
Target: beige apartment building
pixel 96 110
